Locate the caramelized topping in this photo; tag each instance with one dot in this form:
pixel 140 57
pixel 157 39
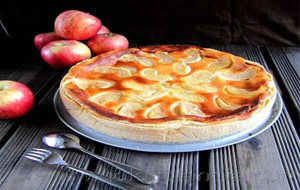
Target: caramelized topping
pixel 171 81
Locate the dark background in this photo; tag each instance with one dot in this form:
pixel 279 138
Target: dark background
pixel 266 22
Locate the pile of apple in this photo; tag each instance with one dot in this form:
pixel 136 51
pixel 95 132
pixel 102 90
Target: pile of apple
pixel 77 35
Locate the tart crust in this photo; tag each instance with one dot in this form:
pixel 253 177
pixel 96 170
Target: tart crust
pixel 96 94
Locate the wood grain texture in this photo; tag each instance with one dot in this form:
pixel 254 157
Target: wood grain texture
pixel 288 144
pixel 287 64
pixel 293 55
pixel 250 168
pixel 184 172
pixel 15 169
pixel 35 77
pixel 268 161
pixel 224 171
pixel 119 155
pixel 175 171
pixel 260 164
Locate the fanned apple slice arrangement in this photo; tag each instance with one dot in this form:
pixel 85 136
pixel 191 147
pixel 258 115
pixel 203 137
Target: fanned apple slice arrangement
pixel 77 35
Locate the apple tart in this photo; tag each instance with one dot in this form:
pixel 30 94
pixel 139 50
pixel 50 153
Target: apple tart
pixel 168 94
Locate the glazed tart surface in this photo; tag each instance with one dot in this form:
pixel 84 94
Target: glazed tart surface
pixel 157 87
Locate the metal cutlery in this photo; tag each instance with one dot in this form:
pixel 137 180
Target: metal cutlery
pixel 67 140
pixel 48 157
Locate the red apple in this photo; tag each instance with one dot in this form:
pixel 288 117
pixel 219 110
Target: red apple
pixel 103 30
pixel 42 39
pixel 101 43
pixel 76 25
pixel 16 99
pixel 65 53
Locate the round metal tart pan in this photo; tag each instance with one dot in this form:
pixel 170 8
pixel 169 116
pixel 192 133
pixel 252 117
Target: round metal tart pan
pixel 85 131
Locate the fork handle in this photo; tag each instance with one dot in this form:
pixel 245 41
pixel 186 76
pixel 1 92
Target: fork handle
pixel 125 185
pixel 140 175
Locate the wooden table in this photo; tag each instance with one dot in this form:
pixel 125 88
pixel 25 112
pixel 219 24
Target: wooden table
pixel 270 160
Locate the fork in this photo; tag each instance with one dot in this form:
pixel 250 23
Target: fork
pixel 53 158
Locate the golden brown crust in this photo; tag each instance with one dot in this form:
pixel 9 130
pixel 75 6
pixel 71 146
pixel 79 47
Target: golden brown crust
pixel 230 94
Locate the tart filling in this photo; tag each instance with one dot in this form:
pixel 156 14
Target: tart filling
pixel 168 93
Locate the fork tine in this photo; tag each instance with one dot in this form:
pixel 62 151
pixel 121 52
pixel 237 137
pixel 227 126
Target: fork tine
pixel 42 150
pixel 44 154
pixel 34 155
pixel 32 158
pixel 38 154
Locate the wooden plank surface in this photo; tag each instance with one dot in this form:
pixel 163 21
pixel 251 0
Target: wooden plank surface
pixel 35 77
pixel 260 165
pixel 287 63
pixel 224 171
pixel 288 144
pixel 268 161
pixel 257 160
pixel 293 55
pixel 175 171
pixel 21 173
